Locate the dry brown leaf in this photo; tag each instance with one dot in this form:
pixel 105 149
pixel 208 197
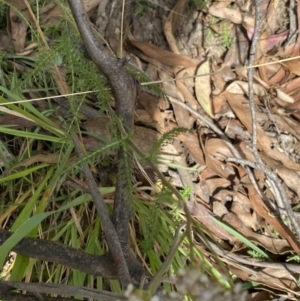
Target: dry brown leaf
pixel 186 86
pixel 169 87
pixel 290 177
pixel 272 15
pixel 5 40
pixel 203 192
pixel 219 209
pixel 142 117
pixel 29 49
pixel 203 88
pixel 204 216
pixel 266 279
pixel 276 246
pixel 244 214
pixel 284 97
pixel 278 279
pixel 218 148
pixel 171 24
pixel 221 107
pixel 218 167
pixel 163 56
pixel 143 137
pixel 240 106
pixel 187 95
pixel 18 24
pixel 260 296
pixel 45 158
pixel 191 144
pixel 261 208
pixel 52 14
pixel 291 86
pixel 16 122
pixel 217 183
pixel 216 153
pixel 150 104
pixel 207 187
pixel 182 116
pixel 278 78
pixel 289 125
pixel 241 198
pixel 240 87
pixel 293 66
pixel 221 10
pixel 247 154
pixel 224 196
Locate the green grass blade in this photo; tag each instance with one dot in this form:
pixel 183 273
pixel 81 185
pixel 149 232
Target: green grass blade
pixel 23 173
pixel 241 238
pixel 29 135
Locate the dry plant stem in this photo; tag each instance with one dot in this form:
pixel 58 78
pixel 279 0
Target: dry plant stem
pixel 59 289
pixel 293 24
pixel 122 83
pixel 124 88
pixel 165 183
pixel 297 42
pixel 59 80
pixel 272 177
pixel 108 227
pixel 232 257
pixel 210 124
pixel 153 166
pixel 96 265
pixel 12 296
pixel 250 79
pixel 156 280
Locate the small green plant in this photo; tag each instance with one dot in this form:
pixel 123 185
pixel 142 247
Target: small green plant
pixel 213 20
pixel 293 258
pixel 257 255
pixel 225 34
pixel 200 4
pixel 165 139
pixel 210 34
pixel 186 191
pixel 142 6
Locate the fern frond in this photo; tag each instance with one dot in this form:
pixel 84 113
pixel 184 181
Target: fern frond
pixel 164 140
pixel 153 219
pixel 143 78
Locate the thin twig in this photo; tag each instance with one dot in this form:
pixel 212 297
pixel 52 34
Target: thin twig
pixel 108 227
pixel 124 88
pixel 156 280
pixel 272 177
pixel 218 131
pixel 250 79
pixel 43 289
pixel 293 24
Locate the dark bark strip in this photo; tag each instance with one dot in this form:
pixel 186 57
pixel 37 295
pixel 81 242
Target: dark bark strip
pixel 54 289
pixel 76 259
pixel 112 265
pixel 124 89
pixel 108 227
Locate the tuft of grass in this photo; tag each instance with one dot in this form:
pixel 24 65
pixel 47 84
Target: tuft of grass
pixel 142 6
pixel 36 198
pixel 225 35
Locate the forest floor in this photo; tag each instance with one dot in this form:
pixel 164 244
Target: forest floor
pixel 210 72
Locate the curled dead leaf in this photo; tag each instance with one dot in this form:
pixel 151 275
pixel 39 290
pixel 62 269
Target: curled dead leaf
pixel 240 87
pixel 203 88
pixel 165 57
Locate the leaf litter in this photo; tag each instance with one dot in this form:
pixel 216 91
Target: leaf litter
pixel 197 58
